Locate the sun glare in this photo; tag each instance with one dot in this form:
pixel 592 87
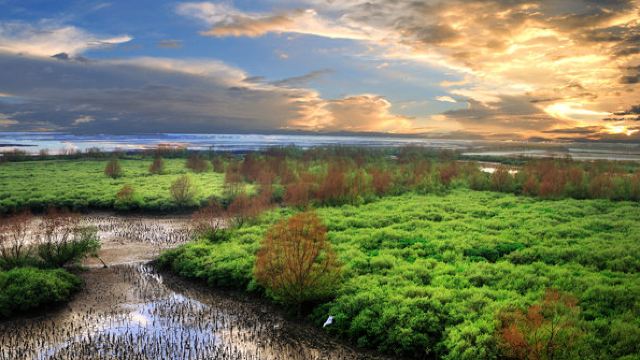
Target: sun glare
pixel 573 111
pixel 620 129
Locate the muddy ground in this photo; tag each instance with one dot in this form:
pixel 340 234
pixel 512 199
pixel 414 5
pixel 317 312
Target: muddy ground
pixel 130 311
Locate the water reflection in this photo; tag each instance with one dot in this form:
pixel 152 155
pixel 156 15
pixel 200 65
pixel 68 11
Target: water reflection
pixel 132 312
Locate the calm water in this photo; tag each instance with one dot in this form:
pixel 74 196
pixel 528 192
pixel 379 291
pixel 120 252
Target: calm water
pixel 133 312
pixel 130 311
pixel 58 143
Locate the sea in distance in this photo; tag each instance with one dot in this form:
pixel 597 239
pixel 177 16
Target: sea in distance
pixel 61 143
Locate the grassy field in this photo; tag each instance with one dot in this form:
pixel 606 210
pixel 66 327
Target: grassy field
pixel 427 275
pixel 81 184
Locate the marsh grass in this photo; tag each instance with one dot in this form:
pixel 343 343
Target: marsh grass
pixel 427 275
pixel 82 184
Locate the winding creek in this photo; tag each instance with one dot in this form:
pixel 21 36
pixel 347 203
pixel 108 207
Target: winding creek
pixel 130 311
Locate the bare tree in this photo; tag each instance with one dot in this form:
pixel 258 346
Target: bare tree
pixel 157 166
pixel 113 169
pixel 244 208
pixel 233 181
pixel 210 220
pixel 63 241
pixel 182 190
pixel 14 234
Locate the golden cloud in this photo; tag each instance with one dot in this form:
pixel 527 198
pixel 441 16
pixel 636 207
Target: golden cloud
pixel 576 61
pixel 358 113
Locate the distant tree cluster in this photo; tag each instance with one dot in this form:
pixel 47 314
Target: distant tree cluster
pixel 338 176
pixel 196 163
pixel 341 175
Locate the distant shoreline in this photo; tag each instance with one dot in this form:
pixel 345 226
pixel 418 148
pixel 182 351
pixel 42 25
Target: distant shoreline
pixel 16 145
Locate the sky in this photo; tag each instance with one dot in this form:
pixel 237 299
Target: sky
pixel 490 69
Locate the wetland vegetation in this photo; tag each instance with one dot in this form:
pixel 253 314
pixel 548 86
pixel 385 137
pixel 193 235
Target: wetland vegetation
pixel 408 251
pixel 430 275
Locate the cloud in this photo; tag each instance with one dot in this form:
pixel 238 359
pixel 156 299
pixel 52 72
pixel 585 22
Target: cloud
pixel 633 110
pixel 282 55
pixel 168 95
pixel 83 119
pixel 248 26
pixel 629 115
pixel 358 113
pixel 515 113
pixel 151 94
pixel 48 39
pixel 225 20
pixel 446 99
pixel 579 58
pixel 574 111
pixel 595 133
pixel 630 79
pixel 5 121
pixel 302 80
pixel 228 21
pixel 534 68
pixel 582 130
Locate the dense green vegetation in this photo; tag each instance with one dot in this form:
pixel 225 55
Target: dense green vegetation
pixel 81 184
pixel 34 254
pixel 295 177
pixel 434 257
pixel 24 289
pixel 429 275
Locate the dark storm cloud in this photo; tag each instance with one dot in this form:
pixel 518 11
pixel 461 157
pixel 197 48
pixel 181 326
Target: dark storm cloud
pixel 136 96
pixel 630 79
pixel 438 34
pixel 585 130
pixel 633 110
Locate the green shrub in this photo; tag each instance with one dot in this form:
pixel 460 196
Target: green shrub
pixel 70 251
pixel 226 265
pixel 412 282
pixel 24 289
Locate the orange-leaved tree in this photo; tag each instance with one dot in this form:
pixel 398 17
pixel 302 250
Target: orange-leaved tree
pixel 182 190
pixel 380 181
pixel 334 187
pixel 545 331
pixel 295 262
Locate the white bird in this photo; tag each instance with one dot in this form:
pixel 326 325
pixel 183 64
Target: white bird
pixel 328 322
